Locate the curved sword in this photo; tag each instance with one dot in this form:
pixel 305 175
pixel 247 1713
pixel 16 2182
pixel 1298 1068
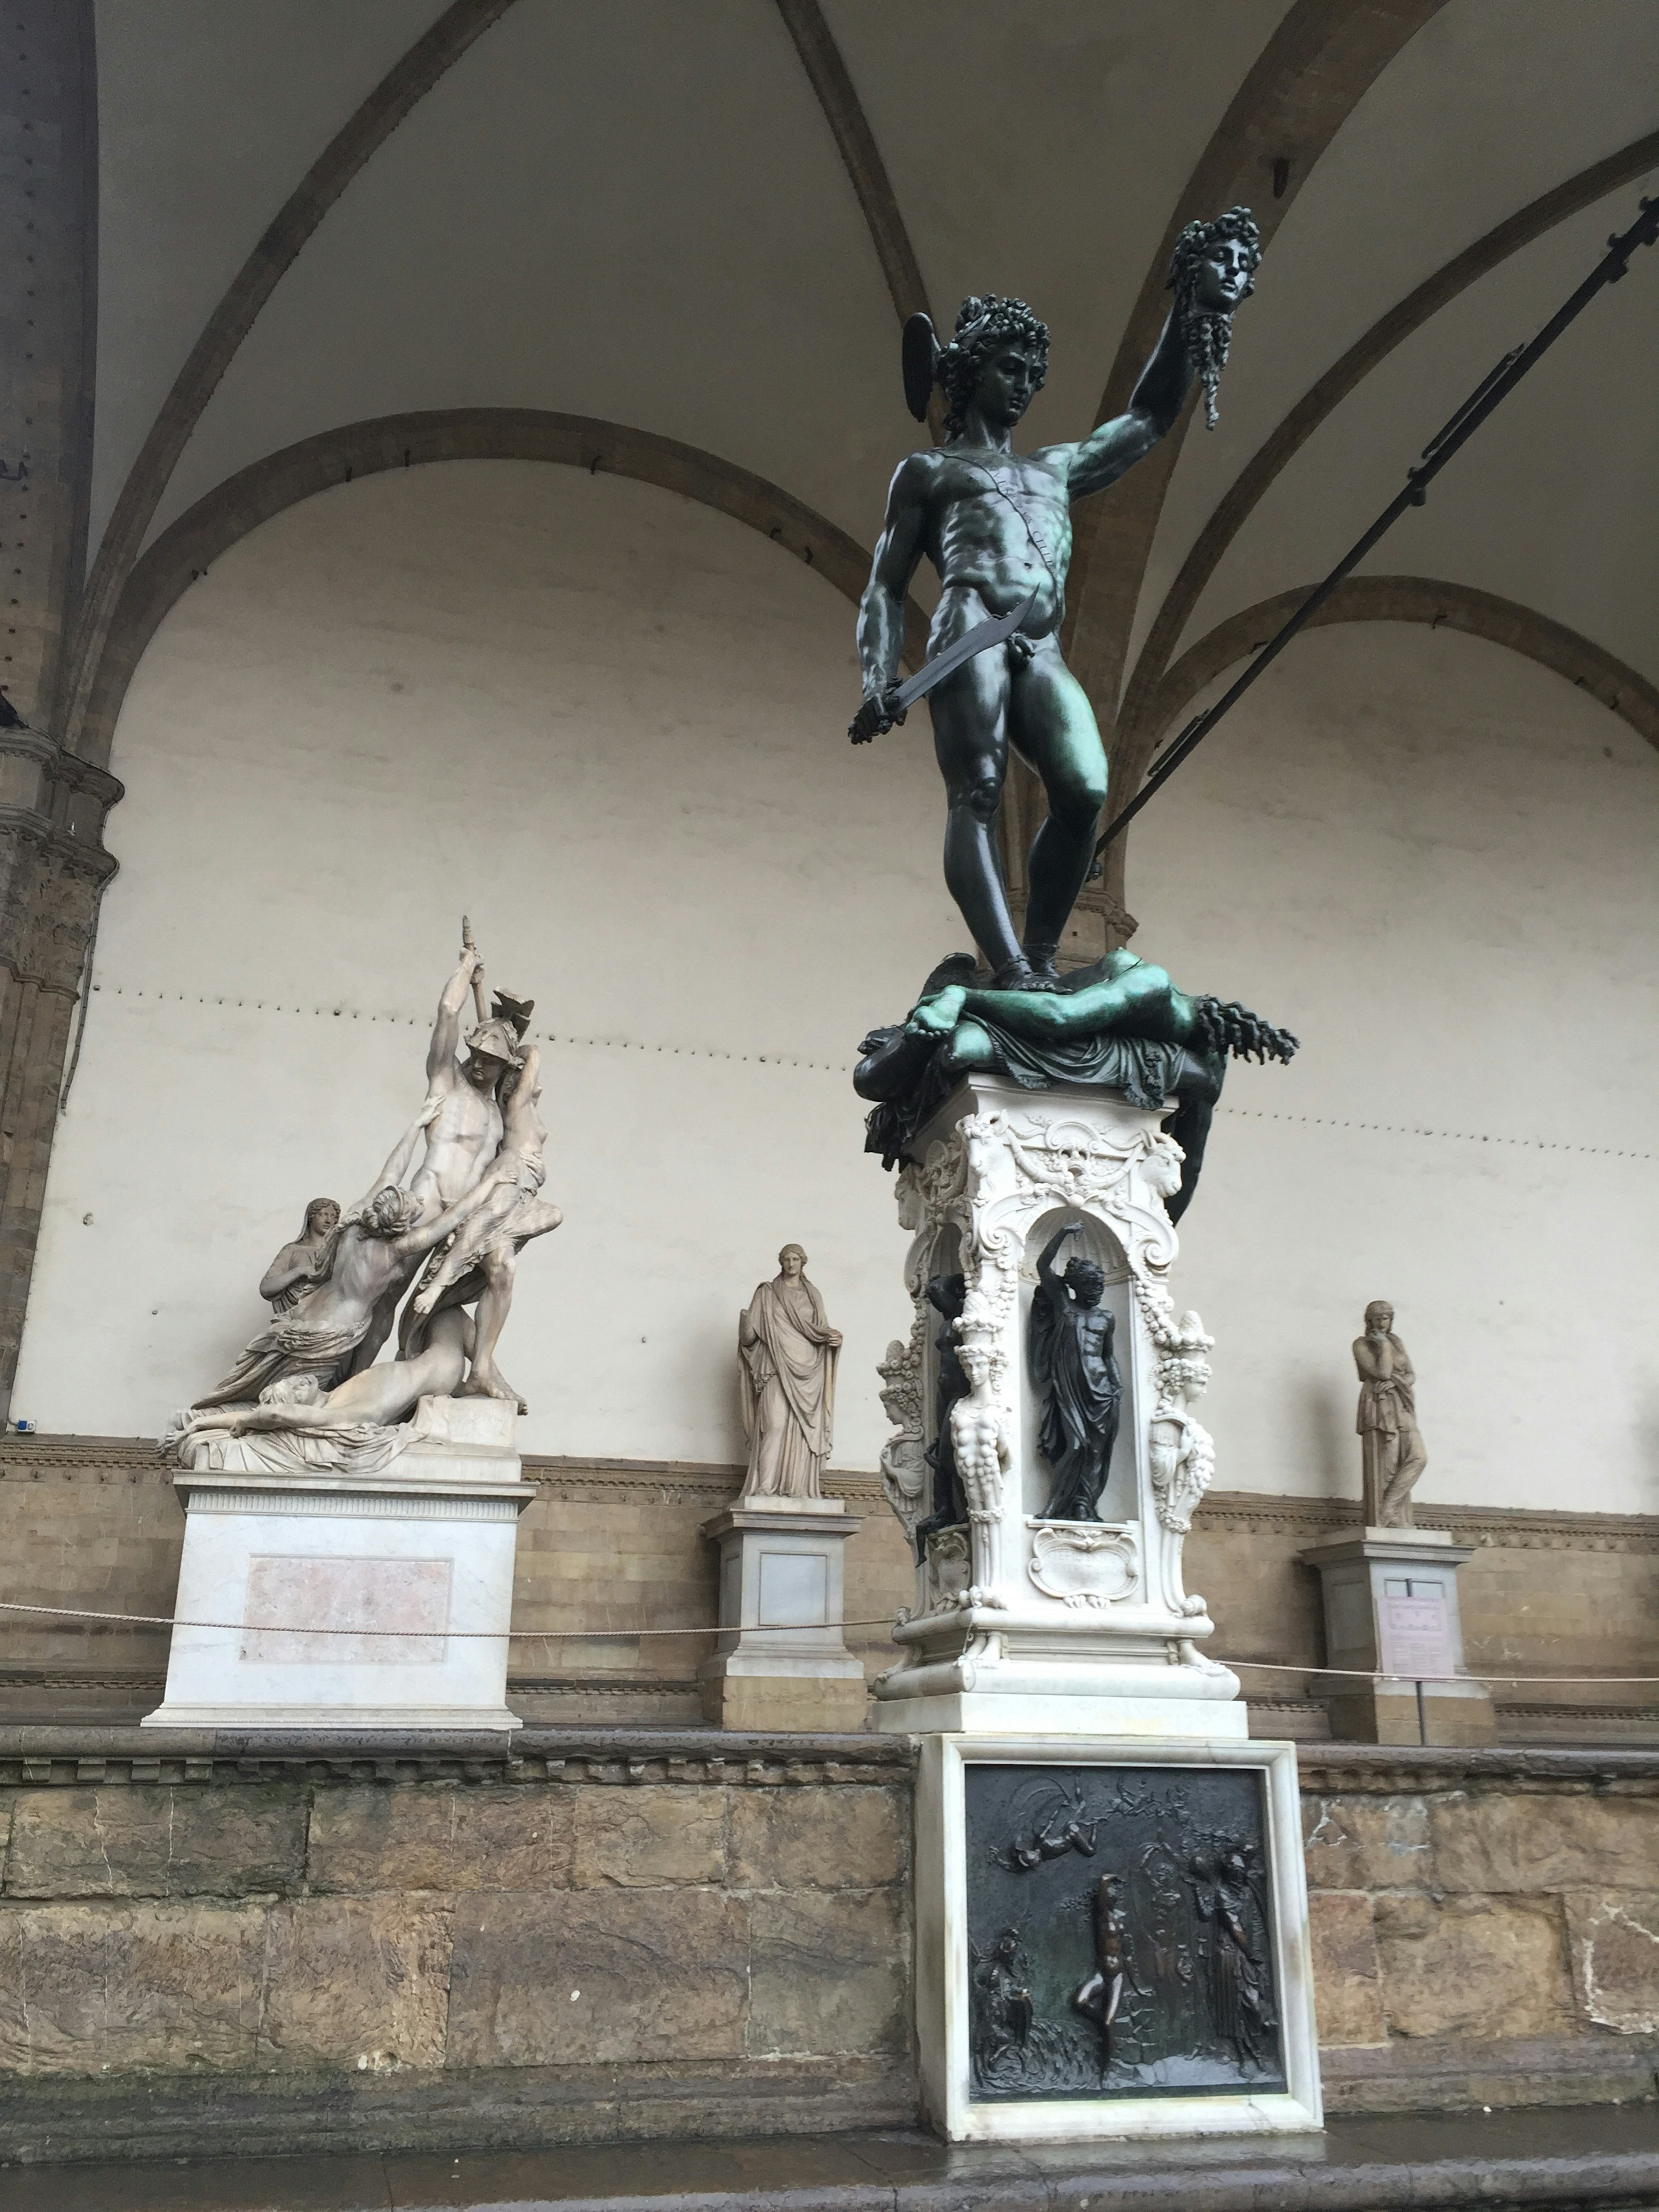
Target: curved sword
pixel 978 640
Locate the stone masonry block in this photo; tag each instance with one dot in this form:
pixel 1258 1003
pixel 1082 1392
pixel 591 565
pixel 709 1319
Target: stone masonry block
pixel 1367 1843
pixel 435 1837
pixel 828 1973
pixel 603 1976
pixel 358 1982
pixel 157 1842
pixel 853 1837
pixel 1534 1841
pixel 1613 1935
pixel 1474 1966
pixel 1347 1975
pixel 99 1989
pixel 649 1835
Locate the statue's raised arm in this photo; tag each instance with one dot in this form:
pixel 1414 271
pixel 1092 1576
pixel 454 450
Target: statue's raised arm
pixel 441 1063
pixel 1212 272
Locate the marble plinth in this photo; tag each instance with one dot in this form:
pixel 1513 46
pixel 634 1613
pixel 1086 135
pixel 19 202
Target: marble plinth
pixel 424 1549
pixel 1390 1605
pixel 1020 1622
pixel 1213 2031
pixel 781 1660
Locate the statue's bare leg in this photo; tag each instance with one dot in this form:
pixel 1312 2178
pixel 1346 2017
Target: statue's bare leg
pixel 494 1304
pixel 970 743
pixel 1052 725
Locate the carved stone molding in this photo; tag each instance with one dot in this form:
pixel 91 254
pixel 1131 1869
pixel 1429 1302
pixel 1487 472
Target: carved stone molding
pixel 1499 1528
pixel 58 1757
pixel 1081 1565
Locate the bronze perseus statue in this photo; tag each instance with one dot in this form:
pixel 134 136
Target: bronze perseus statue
pixel 997 527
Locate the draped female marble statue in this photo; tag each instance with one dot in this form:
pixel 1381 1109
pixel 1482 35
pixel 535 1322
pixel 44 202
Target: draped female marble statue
pixel 1072 1364
pixel 787 1354
pixel 1394 1456
pixel 300 1265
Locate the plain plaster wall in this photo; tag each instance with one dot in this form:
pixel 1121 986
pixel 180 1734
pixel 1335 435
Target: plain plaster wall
pixel 1433 861
pixel 608 725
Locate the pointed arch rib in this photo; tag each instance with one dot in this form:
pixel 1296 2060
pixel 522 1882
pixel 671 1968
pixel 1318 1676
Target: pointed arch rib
pixel 360 138
pixel 1319 63
pixel 243 502
pixel 826 71
pixel 1428 599
pixel 1322 398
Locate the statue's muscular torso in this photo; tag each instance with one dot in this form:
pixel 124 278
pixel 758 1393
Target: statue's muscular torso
pixel 975 506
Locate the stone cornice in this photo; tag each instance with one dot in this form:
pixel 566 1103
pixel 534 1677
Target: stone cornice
pixel 1240 1512
pixel 1390 1770
pixel 33 1757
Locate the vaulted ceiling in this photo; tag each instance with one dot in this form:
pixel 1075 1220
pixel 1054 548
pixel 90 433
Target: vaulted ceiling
pixel 701 222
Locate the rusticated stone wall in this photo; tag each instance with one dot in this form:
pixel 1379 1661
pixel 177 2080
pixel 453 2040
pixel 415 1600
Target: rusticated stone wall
pixel 687 1934
pixel 1486 1925
pixel 632 1933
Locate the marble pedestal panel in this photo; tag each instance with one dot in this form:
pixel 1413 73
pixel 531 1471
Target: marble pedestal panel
pixel 1390 1602
pixel 782 1660
pixel 1021 1622
pixel 1212 2029
pixel 425 1549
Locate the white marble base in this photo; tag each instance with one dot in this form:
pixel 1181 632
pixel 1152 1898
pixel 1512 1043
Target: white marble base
pixel 425 1549
pixel 1000 1712
pixel 943 2003
pixel 1077 1626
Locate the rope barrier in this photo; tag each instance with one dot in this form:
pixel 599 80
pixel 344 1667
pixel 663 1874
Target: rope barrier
pixel 772 1628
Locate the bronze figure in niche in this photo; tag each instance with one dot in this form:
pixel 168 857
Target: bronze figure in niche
pixel 997 527
pixel 1153 1976
pixel 946 1295
pixel 1072 1362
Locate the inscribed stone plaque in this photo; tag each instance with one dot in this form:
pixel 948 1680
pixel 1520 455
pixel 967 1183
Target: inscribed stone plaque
pixel 795 1589
pixel 337 1594
pixel 1414 1632
pixel 1161 1982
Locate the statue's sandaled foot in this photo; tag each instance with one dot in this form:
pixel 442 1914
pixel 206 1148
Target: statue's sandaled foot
pixel 1020 975
pixel 1045 974
pixel 489 1381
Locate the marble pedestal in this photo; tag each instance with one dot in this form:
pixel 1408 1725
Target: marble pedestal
pixel 781 1660
pixel 1022 1623
pixel 1390 1601
pixel 423 1548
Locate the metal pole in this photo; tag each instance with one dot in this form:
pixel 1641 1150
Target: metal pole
pixel 1490 393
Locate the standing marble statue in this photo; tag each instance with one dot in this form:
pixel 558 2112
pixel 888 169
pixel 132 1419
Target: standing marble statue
pixel 1072 1362
pixel 787 1353
pixel 1387 1422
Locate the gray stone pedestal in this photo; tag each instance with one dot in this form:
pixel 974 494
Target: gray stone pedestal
pixel 1390 1597
pixel 782 1660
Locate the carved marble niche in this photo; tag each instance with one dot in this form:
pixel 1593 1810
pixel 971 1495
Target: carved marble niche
pixel 1019 1619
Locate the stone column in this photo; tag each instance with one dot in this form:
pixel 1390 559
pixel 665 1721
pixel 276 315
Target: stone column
pixel 1390 1599
pixel 52 803
pixel 782 1660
